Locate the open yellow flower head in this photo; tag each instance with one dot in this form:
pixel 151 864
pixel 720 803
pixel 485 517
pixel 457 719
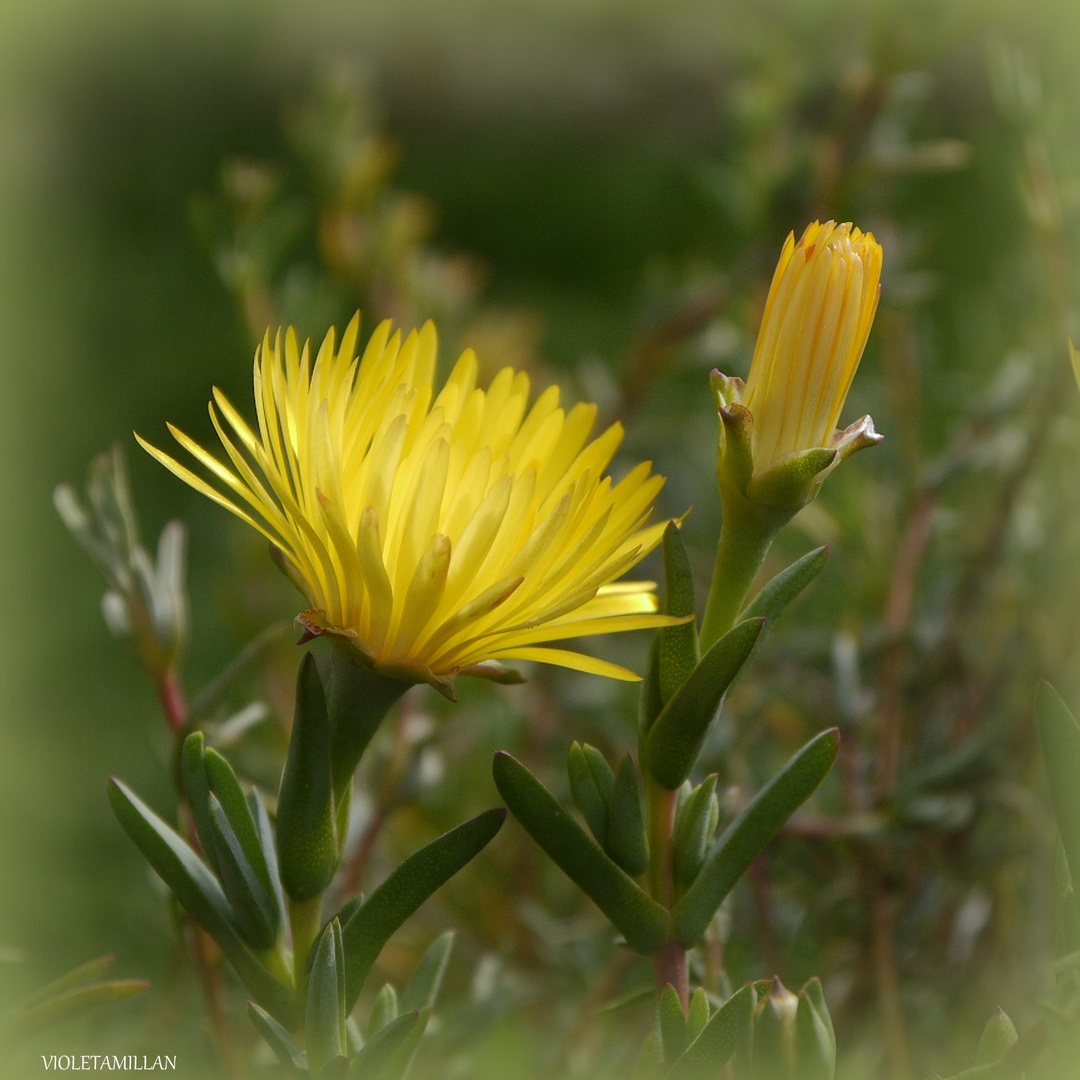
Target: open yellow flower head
pixel 817 318
pixel 433 532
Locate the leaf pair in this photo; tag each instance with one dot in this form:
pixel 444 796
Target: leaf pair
pixel 611 805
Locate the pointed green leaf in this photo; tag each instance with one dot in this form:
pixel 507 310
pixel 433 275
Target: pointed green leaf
pixel 744 839
pixel 289 1052
pixel 676 738
pixel 252 908
pixel 383 1009
pixel 815 1047
pixel 225 784
pixel 639 918
pixel 268 845
pixel 713 1048
pixel 66 1006
pixel 997 1037
pixel 337 1068
pixel 1059 735
pixel 196 786
pixel 694 822
pixel 651 702
pixel 307 843
pixel 673 1032
pixel 778 593
pixel 199 894
pixel 405 890
pixel 379 1057
pixel 626 841
pixel 423 988
pixel 588 796
pixel 699 1013
pixel 677 646
pixel 324 1024
pixel 84 973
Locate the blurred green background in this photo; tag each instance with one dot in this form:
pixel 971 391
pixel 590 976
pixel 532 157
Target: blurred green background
pixel 597 191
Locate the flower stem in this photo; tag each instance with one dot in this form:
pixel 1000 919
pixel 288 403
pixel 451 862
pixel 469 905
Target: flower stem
pixel 305 921
pixel 669 960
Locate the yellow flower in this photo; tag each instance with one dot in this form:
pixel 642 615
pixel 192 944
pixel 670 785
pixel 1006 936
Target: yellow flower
pixel 438 534
pixel 817 318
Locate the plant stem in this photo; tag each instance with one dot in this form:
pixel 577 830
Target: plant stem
pixel 669 960
pixel 305 921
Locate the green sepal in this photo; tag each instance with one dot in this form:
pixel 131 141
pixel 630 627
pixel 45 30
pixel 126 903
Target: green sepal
pixel 650 701
pixel 196 786
pixel 591 799
pixel 253 910
pixel 626 840
pixel 735 456
pixel 63 1007
pixel 677 646
pixel 358 699
pixel 782 589
pixel 384 1009
pixel 423 988
pixel 675 739
pixel 695 820
pixel 288 1051
pixel 324 1021
pixel 199 894
pixel 743 840
pixel 225 784
pixel 673 1032
pixel 793 481
pixel 815 1043
pixel 640 919
pixel 1059 736
pixel 390 1050
pixel 698 1015
pixel 713 1048
pixel 306 838
pixel 997 1037
pixel 370 927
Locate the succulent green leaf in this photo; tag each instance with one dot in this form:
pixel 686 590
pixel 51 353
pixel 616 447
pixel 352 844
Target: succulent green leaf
pixel 813 992
pixel 390 1050
pixel 196 786
pixel 997 1037
pixel 588 796
pixel 626 841
pixel 306 837
pixel 782 589
pixel 337 1068
pixel 673 1031
pixel 677 646
pixel 745 838
pixel 383 1009
pixel 694 824
pixel 675 739
pixel 651 701
pixel 358 700
pixel 84 973
pixel 324 1023
pixel 65 1006
pixel 289 1052
pixel 698 1015
pixel 370 927
pixel 713 1048
pixel 815 1046
pixel 423 988
pixel 268 845
pixel 1059 735
pixel 225 784
pixel 199 894
pixel 641 921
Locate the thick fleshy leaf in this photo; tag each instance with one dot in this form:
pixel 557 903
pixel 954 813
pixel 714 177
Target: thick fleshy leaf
pixel 196 786
pixel 1059 735
pixel 78 976
pixel 289 1052
pixel 997 1037
pixel 694 822
pixel 379 1057
pixel 423 988
pixel 745 838
pixel 591 799
pixel 268 844
pixel 306 837
pixel 254 911
pixel 324 1023
pixel 675 739
pixel 673 1031
pixel 782 589
pixel 651 701
pixel 626 841
pixel 199 894
pixel 713 1048
pixel 383 1010
pixel 63 1007
pixel 370 927
pixel 677 646
pixel 698 1015
pixel 815 1046
pixel 641 921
